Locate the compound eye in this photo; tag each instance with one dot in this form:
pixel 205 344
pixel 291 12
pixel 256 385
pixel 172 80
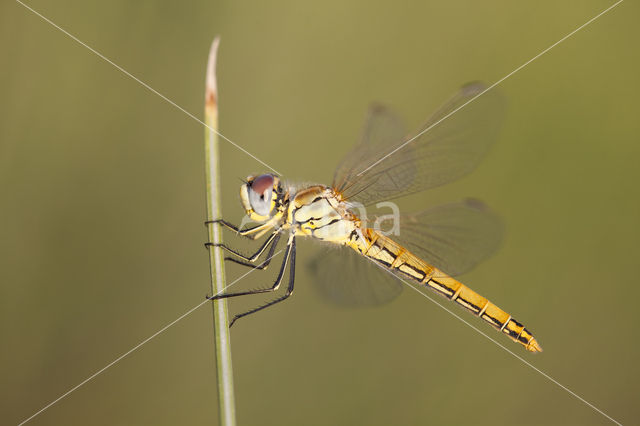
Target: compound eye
pixel 260 193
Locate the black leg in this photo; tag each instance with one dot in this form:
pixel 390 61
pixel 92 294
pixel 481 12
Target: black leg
pixel 272 238
pixel 262 265
pixel 292 274
pixel 243 232
pixel 275 285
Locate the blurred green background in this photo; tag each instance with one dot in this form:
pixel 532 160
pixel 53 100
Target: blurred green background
pixel 102 207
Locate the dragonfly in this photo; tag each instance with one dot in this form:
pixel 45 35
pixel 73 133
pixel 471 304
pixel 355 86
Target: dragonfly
pixel 432 247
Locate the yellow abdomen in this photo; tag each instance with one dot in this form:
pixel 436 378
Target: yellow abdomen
pixel 391 255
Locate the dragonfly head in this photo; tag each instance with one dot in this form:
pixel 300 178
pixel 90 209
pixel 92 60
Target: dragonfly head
pixel 261 196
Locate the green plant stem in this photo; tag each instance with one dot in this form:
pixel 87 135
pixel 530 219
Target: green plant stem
pixel 226 399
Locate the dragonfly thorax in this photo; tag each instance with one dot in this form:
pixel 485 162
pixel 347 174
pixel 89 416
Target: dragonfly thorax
pixel 319 212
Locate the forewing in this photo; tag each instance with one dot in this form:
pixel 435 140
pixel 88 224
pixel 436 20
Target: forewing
pixel 453 237
pixel 347 279
pixel 450 145
pixel 382 129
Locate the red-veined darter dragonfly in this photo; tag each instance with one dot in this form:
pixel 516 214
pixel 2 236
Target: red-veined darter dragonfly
pixel 431 247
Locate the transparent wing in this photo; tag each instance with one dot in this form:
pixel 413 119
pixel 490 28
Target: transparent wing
pixel 453 237
pixel 382 129
pixel 449 145
pixel 346 278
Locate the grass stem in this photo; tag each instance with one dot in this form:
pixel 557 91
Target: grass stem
pixel 226 399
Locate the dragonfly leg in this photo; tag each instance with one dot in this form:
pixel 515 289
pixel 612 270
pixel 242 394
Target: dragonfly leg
pixel 273 288
pixel 275 236
pixel 292 273
pixel 252 233
pixel 266 262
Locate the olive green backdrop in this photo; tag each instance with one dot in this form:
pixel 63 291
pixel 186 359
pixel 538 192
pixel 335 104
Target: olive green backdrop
pixel 102 204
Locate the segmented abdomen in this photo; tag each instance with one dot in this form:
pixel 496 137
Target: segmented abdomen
pixel 391 255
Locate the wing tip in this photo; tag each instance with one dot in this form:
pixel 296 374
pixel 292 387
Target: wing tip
pixel 476 204
pixel 474 87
